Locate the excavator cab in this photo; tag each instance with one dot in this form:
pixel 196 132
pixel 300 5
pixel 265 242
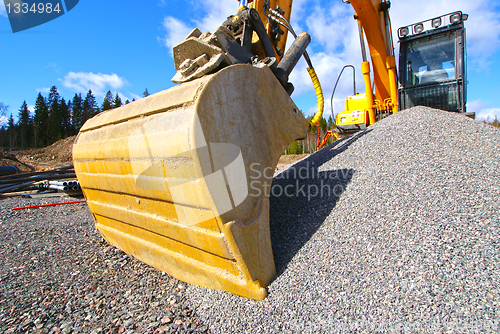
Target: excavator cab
pixel 432 63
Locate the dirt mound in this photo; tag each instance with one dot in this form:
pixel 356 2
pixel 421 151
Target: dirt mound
pixel 59 154
pixel 9 159
pixel 56 155
pixel 288 159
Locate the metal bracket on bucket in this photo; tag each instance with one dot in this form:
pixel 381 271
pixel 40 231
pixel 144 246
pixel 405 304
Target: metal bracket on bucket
pixel 201 54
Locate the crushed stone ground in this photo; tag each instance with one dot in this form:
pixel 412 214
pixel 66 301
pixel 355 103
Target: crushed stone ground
pixel 407 240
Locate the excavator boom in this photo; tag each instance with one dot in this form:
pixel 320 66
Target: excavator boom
pixel 374 20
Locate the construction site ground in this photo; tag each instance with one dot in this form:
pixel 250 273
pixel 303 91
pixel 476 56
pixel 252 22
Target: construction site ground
pixel 394 229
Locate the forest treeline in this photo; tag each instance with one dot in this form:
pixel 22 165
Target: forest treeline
pixel 310 142
pixel 54 118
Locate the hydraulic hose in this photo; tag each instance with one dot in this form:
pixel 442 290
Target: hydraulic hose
pixel 274 15
pixel 319 96
pixel 335 87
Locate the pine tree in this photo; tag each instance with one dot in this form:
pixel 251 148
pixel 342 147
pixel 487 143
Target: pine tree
pixel 323 125
pixel 108 101
pixel 77 113
pixel 127 101
pixel 31 127
pixel 118 101
pixel 54 97
pixel 2 135
pixel 496 123
pixel 330 122
pixel 3 109
pixel 41 120
pixel 71 129
pixel 11 129
pixel 65 129
pixel 53 130
pixel 145 93
pixel 90 108
pixel 24 124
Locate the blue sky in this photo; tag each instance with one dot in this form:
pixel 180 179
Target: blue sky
pixel 126 46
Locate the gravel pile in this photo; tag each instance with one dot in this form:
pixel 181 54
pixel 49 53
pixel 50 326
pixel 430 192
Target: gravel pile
pixel 57 275
pixel 407 240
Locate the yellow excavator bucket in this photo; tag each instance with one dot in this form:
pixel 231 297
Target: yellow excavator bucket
pixel 181 179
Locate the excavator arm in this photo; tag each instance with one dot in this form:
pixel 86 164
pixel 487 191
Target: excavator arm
pixel 375 23
pixel 275 32
pixel 362 110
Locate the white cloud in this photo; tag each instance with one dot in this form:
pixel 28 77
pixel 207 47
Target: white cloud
pixel 214 14
pixel 475 106
pixel 43 90
pixel 99 83
pixel 488 114
pixel 176 31
pixel 334 35
pixel 332 27
pixel 482 112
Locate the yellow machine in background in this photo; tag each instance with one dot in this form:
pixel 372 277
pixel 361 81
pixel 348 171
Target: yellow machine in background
pixel 432 64
pixel 362 110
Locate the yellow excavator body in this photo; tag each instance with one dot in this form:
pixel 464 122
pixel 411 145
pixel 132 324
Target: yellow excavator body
pixel 180 179
pixel 355 111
